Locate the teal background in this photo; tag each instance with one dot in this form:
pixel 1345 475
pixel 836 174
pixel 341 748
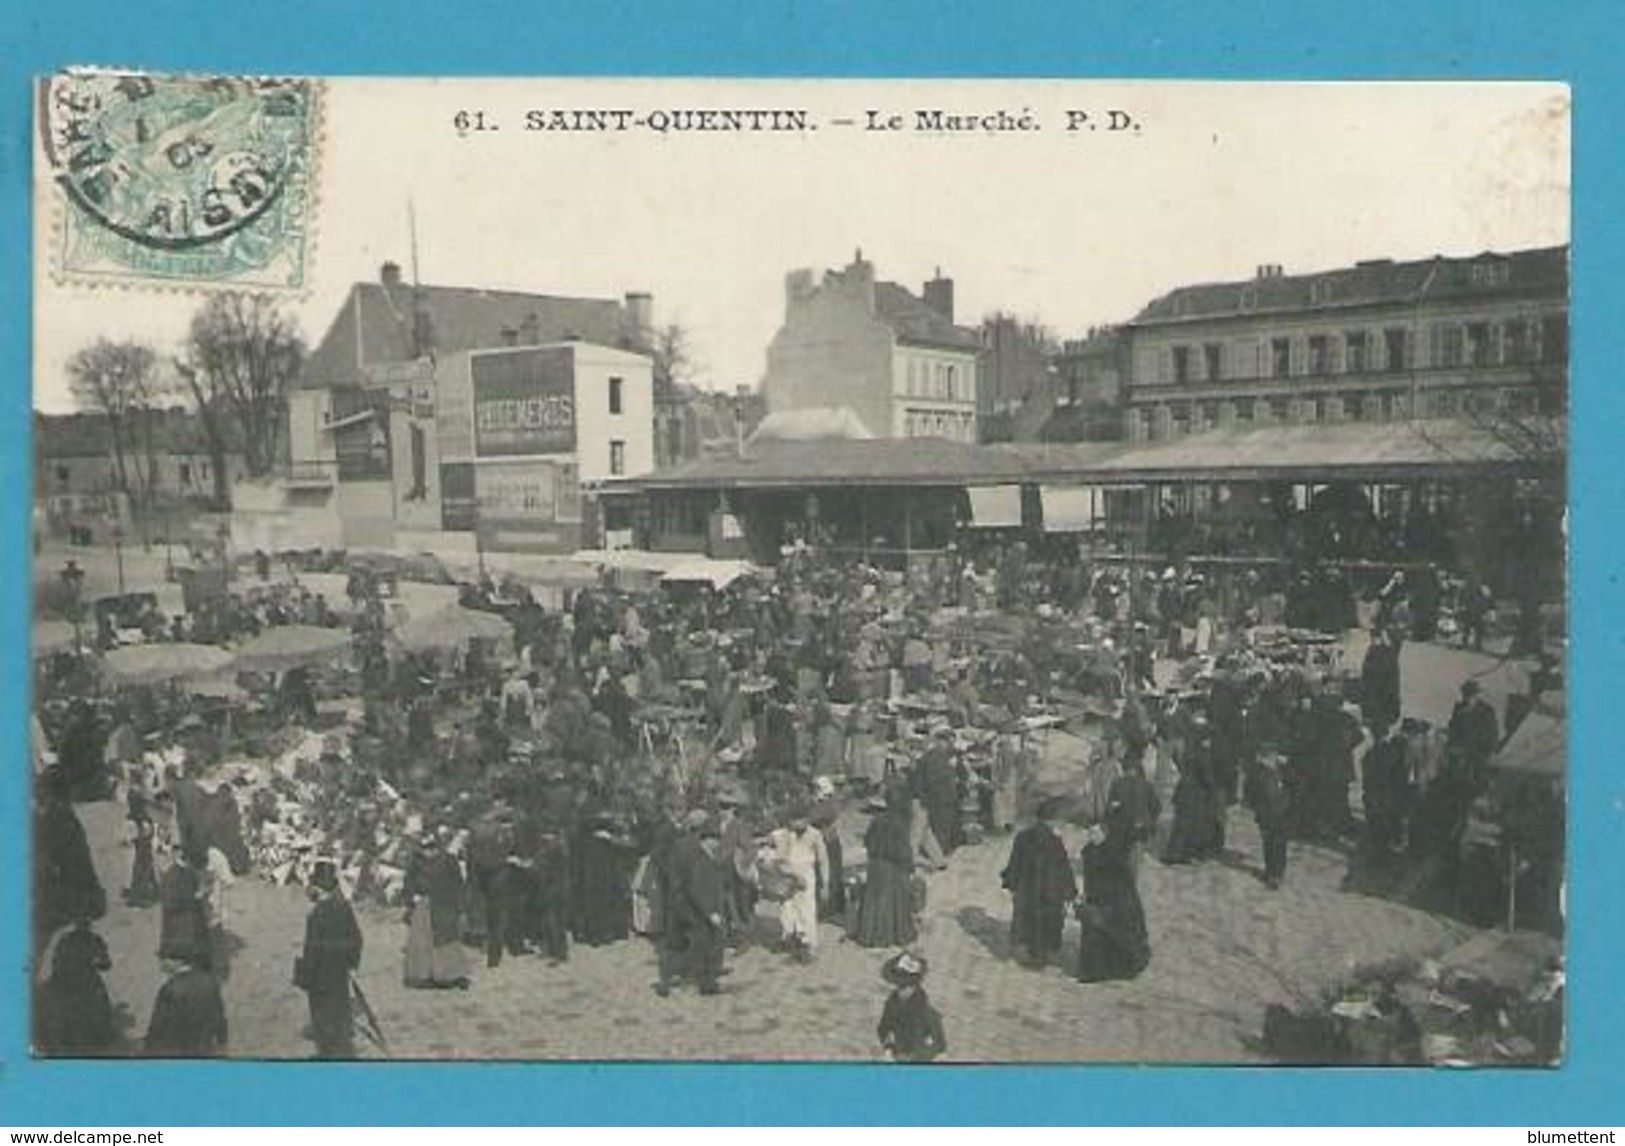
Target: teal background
pixel 1458 39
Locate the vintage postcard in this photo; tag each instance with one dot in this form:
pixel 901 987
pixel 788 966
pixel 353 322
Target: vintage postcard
pixel 932 571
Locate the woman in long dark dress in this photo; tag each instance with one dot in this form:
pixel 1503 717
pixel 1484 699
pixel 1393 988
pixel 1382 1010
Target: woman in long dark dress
pixel 602 884
pixel 74 1011
pixel 885 916
pixel 1198 828
pixel 434 895
pixel 143 889
pixel 1114 943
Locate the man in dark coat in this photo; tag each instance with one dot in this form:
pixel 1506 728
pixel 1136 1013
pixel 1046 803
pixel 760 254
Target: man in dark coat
pixel 332 953
pixel 1385 788
pixel 695 935
pixel 189 1016
pixel 1266 791
pixel 1227 711
pixel 66 887
pixel 936 785
pixel 1473 733
pixel 1040 880
pixel 1379 681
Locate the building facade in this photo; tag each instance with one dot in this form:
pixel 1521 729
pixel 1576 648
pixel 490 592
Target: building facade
pixel 385 442
pixel 489 449
pixel 1483 336
pixel 897 361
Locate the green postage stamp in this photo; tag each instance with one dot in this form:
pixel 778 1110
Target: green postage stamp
pixel 180 181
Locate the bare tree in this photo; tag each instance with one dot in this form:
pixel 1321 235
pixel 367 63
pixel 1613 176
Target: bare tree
pixel 116 379
pixel 673 355
pixel 212 417
pixel 248 353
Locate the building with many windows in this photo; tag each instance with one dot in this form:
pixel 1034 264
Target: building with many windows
pixel 895 360
pixel 1484 336
pixel 447 418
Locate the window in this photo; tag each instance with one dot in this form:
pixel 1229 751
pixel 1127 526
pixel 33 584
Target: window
pixel 1320 361
pixel 186 473
pixel 1354 348
pixel 1213 361
pixel 1396 344
pixel 617 458
pixel 1280 409
pixel 1478 344
pixel 1182 363
pixel 911 388
pixel 1447 345
pixel 1515 342
pixel 1441 404
pixel 1244 409
pixel 63 476
pixel 953 381
pixel 1491 273
pixel 1554 339
pixel 615 395
pixel 1249 297
pixel 1280 357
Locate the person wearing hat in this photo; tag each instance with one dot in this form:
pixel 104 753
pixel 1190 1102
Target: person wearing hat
pixel 1039 879
pixel 183 923
pixel 1473 734
pixel 736 844
pixel 910 1028
pixel 332 953
pixel 799 848
pixel 433 895
pixel 696 928
pixel 73 1013
pixel 1113 943
pixel 188 1016
pixel 66 887
pixel 1267 793
pixel 936 785
pixel 885 912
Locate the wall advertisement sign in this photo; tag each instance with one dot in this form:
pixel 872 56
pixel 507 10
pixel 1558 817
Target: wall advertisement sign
pixel 524 402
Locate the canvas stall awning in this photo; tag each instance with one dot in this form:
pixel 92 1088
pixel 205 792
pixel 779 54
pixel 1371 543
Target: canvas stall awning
pixel 1072 508
pixel 995 506
pixel 705 571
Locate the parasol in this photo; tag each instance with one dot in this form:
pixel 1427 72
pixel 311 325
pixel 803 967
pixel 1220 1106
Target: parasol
pixel 291 646
pixel 157 663
pixel 452 628
pixel 51 637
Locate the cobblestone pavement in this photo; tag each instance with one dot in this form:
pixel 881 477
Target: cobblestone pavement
pixel 1224 947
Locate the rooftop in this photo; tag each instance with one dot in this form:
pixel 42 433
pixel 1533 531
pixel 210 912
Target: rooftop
pixel 377 324
pixel 1539 271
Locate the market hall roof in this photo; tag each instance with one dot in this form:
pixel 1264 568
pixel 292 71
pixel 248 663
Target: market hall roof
pixel 1353 451
pixel 383 322
pixel 872 462
pixel 1541 271
pixel 1348 451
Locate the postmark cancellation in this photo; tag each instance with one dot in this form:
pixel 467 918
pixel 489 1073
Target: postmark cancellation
pixel 180 181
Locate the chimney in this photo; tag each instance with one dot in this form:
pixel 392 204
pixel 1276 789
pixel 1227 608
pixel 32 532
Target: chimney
pixel 1269 270
pixel 859 280
pixel 390 274
pixel 640 317
pixel 798 287
pixel 939 295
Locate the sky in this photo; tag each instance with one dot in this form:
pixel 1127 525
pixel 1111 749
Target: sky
pixel 1071 228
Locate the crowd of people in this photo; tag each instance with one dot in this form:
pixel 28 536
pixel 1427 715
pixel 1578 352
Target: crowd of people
pixel 693 766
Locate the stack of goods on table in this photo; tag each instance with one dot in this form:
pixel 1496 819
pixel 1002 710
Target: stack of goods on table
pixel 1497 998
